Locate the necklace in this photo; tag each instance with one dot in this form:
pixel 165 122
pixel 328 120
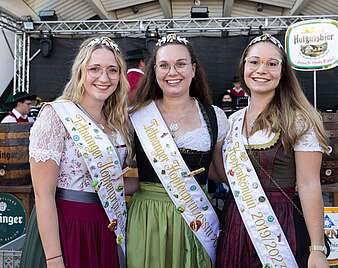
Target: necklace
pixel 97 123
pixel 249 121
pixel 109 133
pixel 174 125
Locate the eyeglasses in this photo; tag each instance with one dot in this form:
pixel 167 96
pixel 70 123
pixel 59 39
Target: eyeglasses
pixel 165 67
pixel 29 103
pixel 95 72
pixel 270 64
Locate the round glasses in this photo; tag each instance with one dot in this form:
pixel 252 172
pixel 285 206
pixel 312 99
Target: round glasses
pixel 270 64
pixel 165 67
pixel 95 72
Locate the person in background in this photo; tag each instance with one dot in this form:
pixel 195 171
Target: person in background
pixel 227 104
pixel 135 62
pixel 272 157
pixel 22 102
pixel 237 90
pixel 78 146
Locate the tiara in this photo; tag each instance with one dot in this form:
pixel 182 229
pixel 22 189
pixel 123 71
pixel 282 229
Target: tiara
pixel 266 37
pixel 171 38
pixel 104 40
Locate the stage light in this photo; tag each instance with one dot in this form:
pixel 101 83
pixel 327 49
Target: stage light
pixel 259 7
pixel 46 45
pixel 199 12
pixel 27 22
pixel 28 25
pixel 48 15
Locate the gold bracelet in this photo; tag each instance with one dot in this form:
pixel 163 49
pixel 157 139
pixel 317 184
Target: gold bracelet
pixel 51 258
pixel 320 248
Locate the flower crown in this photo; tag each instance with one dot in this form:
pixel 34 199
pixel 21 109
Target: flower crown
pixel 104 40
pixel 171 38
pixel 266 37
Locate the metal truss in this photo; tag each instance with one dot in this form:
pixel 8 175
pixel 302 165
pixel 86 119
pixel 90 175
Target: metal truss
pixel 234 25
pixel 130 27
pixel 9 21
pixel 21 66
pixel 12 23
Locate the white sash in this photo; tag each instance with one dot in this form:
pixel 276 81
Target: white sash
pixel 103 164
pixel 175 176
pixel 257 214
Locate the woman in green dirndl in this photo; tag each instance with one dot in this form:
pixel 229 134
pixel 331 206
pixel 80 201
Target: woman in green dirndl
pixel 173 96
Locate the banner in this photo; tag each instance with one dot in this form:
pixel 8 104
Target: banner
pixel 312 44
pixel 331 230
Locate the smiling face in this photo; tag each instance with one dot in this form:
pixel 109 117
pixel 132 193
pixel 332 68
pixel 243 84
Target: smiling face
pixel 102 76
pixel 260 74
pixel 174 70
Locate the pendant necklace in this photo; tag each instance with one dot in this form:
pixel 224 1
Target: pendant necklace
pixel 98 124
pixel 252 123
pixel 174 126
pixel 111 135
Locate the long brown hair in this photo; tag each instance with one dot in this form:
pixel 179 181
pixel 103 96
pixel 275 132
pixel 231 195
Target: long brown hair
pixel 148 88
pixel 289 110
pixel 115 107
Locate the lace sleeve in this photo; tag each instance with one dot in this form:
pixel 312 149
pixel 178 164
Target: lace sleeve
pixel 222 122
pixel 47 136
pixel 307 142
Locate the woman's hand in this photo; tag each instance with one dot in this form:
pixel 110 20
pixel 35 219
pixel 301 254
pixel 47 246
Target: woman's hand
pixel 317 259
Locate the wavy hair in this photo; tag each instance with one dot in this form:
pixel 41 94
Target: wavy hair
pixel 148 88
pixel 289 110
pixel 115 107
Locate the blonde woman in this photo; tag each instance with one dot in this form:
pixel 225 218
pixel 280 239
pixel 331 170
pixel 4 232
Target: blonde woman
pixel 272 156
pixel 78 145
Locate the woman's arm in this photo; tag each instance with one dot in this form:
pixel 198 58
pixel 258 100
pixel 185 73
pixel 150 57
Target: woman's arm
pixel 44 176
pixel 309 188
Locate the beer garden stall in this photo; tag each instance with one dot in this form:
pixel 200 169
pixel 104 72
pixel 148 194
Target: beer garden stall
pixel 14 168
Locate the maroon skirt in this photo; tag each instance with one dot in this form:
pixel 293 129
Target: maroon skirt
pixel 235 249
pixel 85 239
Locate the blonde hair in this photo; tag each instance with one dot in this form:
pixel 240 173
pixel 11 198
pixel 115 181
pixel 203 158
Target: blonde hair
pixel 115 108
pixel 288 108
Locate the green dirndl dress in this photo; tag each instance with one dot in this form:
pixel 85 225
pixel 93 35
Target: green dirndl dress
pixel 157 235
pixel 33 246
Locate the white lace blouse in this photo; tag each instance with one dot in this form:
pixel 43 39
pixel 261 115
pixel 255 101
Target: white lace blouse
pixel 189 141
pixel 50 140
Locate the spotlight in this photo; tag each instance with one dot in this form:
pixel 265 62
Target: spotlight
pixel 135 9
pixel 199 12
pixel 151 39
pixel 48 15
pixel 259 7
pixel 197 3
pixel 28 23
pixel 46 45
